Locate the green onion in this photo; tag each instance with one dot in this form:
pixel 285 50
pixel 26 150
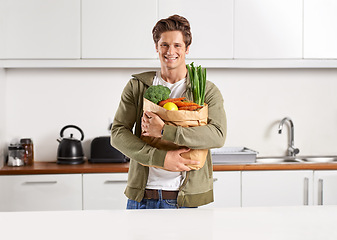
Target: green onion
pixel 198 82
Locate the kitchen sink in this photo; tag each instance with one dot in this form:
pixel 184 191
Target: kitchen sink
pixel 278 160
pixel 298 159
pixel 320 159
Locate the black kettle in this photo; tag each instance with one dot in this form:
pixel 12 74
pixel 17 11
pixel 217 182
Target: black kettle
pixel 70 150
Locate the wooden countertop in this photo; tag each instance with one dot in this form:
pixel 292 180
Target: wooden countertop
pixel 54 168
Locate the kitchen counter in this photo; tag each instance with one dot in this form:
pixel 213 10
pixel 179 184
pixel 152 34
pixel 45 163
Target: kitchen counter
pixel 54 168
pixel 291 223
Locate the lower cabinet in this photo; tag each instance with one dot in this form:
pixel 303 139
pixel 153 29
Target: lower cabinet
pixel 277 188
pixel 104 191
pixel 227 189
pixel 98 191
pixel 325 187
pixel 41 192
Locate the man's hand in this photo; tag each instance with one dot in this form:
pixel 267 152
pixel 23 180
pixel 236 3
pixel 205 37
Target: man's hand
pixel 152 124
pixel 176 163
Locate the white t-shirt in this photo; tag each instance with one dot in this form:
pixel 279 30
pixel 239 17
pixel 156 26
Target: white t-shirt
pixel 160 178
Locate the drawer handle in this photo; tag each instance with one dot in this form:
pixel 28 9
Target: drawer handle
pixel 215 179
pixel 115 181
pixel 320 192
pixel 40 182
pixel 306 191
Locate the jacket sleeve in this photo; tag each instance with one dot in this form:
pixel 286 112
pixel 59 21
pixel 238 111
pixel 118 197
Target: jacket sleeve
pixel 209 136
pixel 127 116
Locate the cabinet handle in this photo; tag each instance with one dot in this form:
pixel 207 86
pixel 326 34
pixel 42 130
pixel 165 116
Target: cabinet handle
pixel 306 191
pixel 115 181
pixel 215 179
pixel 320 192
pixel 40 182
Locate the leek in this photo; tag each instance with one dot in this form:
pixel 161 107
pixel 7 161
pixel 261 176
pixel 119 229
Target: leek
pixel 198 82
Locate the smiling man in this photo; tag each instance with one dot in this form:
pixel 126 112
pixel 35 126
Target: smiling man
pixel 158 178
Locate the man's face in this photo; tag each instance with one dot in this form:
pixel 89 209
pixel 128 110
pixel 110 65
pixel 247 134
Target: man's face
pixel 172 50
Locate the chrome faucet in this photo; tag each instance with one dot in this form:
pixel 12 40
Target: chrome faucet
pixel 292 151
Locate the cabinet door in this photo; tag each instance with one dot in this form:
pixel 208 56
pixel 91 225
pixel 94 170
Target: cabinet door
pixel 325 187
pixel 211 25
pixel 268 29
pixel 41 192
pixel 320 24
pixel 104 191
pixel 44 29
pixel 118 29
pixel 276 188
pixel 227 189
pixel 2 119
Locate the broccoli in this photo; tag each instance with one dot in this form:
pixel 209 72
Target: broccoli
pixel 157 93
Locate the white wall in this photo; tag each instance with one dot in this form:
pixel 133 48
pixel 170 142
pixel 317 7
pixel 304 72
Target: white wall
pixel 256 100
pixel 41 101
pixel 2 114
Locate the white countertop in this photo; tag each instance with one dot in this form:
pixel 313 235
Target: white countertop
pixel 272 223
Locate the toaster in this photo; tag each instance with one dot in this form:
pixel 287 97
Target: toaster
pixel 102 152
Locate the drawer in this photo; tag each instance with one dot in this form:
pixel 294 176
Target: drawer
pixel 41 192
pixel 104 191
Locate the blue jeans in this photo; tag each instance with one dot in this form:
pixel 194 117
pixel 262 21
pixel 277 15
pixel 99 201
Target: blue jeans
pixel 153 203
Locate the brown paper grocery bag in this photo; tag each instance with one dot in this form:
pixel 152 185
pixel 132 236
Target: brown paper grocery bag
pixel 178 118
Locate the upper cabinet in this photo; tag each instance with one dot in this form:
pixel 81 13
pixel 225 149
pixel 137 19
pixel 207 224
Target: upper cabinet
pixel 268 29
pixel 211 25
pixel 118 29
pixel 40 29
pixel 225 33
pixel 320 24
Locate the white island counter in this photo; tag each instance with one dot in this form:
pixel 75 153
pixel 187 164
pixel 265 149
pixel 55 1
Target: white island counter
pixel 272 223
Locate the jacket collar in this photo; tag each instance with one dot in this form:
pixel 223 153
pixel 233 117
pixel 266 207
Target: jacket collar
pixel 147 79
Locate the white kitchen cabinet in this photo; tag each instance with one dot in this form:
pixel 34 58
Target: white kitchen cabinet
pixel 320 24
pixel 277 188
pixel 41 192
pixel 227 189
pixel 104 191
pixel 2 119
pixel 211 25
pixel 118 29
pixel 325 187
pixel 40 29
pixel 268 29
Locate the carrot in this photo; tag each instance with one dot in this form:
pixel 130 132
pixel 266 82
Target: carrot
pixel 190 108
pixel 185 104
pixel 161 103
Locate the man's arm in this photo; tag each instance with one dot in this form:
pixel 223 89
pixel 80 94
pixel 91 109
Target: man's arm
pixel 152 126
pixel 122 137
pixel 132 146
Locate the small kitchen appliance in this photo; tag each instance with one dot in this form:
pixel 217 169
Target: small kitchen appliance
pixel 15 155
pixel 70 149
pixel 103 152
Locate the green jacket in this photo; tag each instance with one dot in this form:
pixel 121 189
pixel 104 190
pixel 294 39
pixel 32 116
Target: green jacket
pixel 197 187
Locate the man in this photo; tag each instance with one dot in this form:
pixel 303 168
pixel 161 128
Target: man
pixel 158 178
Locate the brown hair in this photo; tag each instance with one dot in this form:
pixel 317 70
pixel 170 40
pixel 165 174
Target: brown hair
pixel 173 23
